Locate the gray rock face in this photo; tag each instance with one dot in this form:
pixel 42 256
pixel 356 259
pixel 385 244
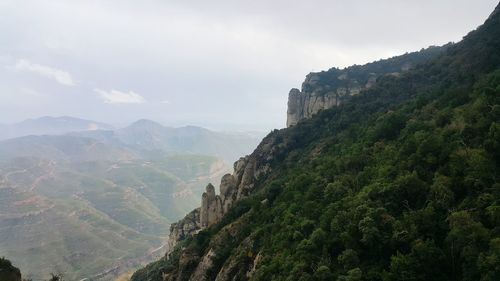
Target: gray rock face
pixel 326 89
pixel 184 228
pixel 211 207
pixel 228 191
pixel 236 186
pixel 316 95
pixel 232 188
pixel 302 105
pixel 200 273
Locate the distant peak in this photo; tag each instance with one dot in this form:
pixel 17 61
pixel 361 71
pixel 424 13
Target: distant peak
pixel 145 122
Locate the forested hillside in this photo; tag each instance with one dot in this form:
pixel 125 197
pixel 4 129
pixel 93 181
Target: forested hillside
pixel 399 183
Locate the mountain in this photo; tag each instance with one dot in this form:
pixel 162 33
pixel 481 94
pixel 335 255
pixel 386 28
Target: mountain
pixel 148 136
pixel 144 136
pixel 63 147
pixel 48 125
pixel 396 182
pixel 68 198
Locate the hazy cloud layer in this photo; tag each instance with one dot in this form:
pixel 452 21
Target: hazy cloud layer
pixel 223 64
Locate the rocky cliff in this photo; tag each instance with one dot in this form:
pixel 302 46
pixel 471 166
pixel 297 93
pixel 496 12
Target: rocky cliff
pixel 326 89
pixel 232 188
pixel 313 97
pixel 184 228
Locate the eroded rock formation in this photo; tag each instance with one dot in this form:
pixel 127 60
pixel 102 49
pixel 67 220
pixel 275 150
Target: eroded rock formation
pixel 211 207
pixel 326 89
pixel 317 94
pixel 233 187
pixel 184 228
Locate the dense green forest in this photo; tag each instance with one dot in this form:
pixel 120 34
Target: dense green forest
pixel 361 75
pixel 8 272
pixel 399 183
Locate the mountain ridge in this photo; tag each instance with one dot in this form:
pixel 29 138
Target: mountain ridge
pixel 49 125
pixel 326 89
pixel 365 232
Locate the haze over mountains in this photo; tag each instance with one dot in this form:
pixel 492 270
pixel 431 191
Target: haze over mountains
pixel 73 190
pixel 140 137
pixel 49 125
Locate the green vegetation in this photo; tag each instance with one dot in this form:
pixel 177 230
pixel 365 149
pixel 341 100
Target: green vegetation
pixel 360 75
pixel 83 218
pixel 400 183
pixel 8 272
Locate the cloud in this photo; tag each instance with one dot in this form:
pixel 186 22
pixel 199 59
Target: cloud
pixel 165 102
pixel 31 92
pixel 116 97
pixel 60 76
pixel 200 54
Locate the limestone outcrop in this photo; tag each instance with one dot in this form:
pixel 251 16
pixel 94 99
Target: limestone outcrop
pixel 327 89
pixel 232 188
pixel 318 94
pixel 184 228
pixel 211 207
pixel 301 106
pixel 235 186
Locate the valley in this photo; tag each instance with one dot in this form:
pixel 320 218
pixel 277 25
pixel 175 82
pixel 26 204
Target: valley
pixel 96 208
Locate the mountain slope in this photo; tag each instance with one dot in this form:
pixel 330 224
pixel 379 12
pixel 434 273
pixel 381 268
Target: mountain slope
pixel 398 183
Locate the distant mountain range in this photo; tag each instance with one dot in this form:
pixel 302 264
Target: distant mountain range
pixel 143 137
pixel 48 125
pixel 72 190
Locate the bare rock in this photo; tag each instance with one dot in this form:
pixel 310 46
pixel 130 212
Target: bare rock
pixel 184 228
pixel 200 273
pixel 211 207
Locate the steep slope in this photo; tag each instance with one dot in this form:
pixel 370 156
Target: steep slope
pixel 400 182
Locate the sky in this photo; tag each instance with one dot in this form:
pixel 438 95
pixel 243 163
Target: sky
pixel 225 65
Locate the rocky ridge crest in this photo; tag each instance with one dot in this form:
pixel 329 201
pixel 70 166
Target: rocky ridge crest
pixel 326 89
pixel 233 187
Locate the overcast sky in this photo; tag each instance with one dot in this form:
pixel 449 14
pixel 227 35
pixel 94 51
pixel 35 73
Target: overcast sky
pixel 221 64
